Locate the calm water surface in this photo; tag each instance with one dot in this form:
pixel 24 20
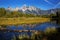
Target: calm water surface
pixel 10 35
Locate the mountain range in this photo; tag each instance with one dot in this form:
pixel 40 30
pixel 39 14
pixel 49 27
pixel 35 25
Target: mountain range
pixel 33 10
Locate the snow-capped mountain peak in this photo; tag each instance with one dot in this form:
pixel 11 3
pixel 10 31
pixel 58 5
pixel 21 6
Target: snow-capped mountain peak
pixel 24 8
pixel 32 8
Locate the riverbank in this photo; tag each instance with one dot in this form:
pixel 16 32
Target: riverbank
pixel 22 20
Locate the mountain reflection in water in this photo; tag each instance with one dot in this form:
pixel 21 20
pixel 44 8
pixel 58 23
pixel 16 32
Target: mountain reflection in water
pixel 10 35
pixel 40 27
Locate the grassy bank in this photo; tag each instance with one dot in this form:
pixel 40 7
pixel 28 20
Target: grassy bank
pixel 22 20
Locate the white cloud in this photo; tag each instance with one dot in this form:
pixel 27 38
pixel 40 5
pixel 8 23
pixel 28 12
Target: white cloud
pixel 56 5
pixel 48 2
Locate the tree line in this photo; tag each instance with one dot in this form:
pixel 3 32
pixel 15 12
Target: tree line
pixel 11 14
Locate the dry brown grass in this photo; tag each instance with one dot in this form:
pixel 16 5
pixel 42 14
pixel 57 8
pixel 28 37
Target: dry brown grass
pixel 22 20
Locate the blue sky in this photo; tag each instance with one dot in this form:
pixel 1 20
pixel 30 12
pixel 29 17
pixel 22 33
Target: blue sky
pixel 42 4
